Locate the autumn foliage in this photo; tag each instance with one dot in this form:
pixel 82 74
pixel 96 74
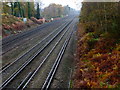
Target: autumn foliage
pixel 99 66
pixel 13 25
pixel 98 54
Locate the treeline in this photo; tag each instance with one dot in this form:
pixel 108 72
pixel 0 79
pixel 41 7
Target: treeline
pixel 33 9
pixel 102 18
pixel 22 9
pixel 98 46
pixel 56 10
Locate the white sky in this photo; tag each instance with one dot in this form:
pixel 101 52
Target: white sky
pixel 71 3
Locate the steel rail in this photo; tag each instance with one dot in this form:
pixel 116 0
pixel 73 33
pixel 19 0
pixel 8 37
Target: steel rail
pixel 28 33
pixel 53 70
pixel 44 60
pixel 10 64
pixel 21 36
pixel 6 82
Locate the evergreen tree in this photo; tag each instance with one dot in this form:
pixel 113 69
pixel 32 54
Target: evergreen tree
pixel 20 10
pixel 12 8
pixel 15 9
pixel 29 10
pixel 38 11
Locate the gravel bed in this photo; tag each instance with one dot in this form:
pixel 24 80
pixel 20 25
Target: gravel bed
pixel 15 66
pixel 37 82
pixel 62 79
pixel 27 43
pixel 40 77
pixel 32 66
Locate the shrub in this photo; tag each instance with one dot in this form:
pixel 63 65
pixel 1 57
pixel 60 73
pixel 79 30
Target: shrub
pixel 92 42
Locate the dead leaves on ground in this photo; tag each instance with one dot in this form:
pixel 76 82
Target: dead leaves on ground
pixel 98 67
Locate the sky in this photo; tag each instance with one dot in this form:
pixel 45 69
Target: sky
pixel 72 3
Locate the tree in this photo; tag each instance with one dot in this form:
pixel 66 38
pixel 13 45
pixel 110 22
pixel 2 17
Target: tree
pixel 6 8
pixel 66 10
pixel 38 11
pixel 29 10
pixel 101 17
pixel 12 8
pixel 53 10
pixel 20 10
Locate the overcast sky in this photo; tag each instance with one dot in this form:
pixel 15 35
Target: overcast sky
pixel 72 3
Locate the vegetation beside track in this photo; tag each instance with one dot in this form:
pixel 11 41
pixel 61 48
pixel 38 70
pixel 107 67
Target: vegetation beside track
pixel 14 13
pixel 13 25
pixel 98 50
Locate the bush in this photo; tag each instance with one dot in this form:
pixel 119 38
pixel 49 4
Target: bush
pixel 92 42
pixel 13 25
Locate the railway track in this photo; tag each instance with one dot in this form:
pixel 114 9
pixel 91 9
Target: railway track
pixel 27 52
pixel 53 70
pixel 10 39
pixel 18 38
pixel 31 75
pixel 28 55
pixel 25 64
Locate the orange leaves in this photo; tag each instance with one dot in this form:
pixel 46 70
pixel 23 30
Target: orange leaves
pixel 92 84
pixel 14 24
pixel 98 67
pixel 99 58
pixel 105 76
pixel 115 67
